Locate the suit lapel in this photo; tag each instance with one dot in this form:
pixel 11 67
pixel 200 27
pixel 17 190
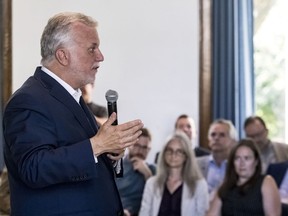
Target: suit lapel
pixel 88 114
pixel 76 109
pixel 81 112
pixel 83 116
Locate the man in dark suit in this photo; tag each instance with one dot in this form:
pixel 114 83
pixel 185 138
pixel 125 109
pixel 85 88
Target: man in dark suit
pixel 59 163
pixel 278 171
pixel 187 125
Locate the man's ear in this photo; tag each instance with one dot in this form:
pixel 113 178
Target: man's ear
pixel 62 56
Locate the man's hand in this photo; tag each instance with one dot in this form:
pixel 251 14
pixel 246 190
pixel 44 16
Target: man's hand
pixel 115 139
pixel 141 166
pixel 116 156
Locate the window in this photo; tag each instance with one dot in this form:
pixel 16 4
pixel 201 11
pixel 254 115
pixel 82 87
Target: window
pixel 271 65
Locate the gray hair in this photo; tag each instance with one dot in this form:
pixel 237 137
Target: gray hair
pixel 190 172
pixel 57 32
pixel 232 130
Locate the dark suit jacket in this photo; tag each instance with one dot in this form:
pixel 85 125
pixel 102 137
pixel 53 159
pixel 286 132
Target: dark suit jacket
pixel 278 171
pixel 48 154
pixel 199 151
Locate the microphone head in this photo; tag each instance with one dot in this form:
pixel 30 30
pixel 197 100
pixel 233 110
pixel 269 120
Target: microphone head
pixel 111 96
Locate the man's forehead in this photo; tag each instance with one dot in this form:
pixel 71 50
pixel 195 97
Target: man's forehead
pixel 255 124
pixel 143 140
pixel 184 121
pixel 220 127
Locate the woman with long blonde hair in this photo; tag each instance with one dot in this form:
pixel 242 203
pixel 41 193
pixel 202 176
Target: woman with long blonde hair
pixel 178 187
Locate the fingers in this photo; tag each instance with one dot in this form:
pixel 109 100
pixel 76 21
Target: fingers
pixel 112 138
pixel 111 119
pixel 136 124
pixel 118 151
pixel 116 157
pixel 130 139
pixel 134 159
pixel 130 132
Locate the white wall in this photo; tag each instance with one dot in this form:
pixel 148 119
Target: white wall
pixel 151 55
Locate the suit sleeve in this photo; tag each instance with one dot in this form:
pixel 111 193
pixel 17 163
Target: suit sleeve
pixel 43 153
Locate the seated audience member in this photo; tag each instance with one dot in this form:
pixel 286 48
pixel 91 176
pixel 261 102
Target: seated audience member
pixel 178 187
pixel 187 125
pixel 100 112
pixel 279 171
pixel 136 172
pixel 222 136
pixel 271 152
pixel 245 191
pixel 4 193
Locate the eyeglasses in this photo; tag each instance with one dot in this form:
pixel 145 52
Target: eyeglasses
pixel 141 147
pixel 177 153
pixel 221 134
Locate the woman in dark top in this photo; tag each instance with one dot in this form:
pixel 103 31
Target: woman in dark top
pixel 245 192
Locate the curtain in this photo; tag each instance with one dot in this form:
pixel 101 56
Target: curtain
pixel 232 61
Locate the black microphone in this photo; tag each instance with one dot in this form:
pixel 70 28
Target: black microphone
pixel 112 97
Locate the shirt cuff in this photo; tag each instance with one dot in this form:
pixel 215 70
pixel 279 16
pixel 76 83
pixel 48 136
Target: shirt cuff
pixel 95 158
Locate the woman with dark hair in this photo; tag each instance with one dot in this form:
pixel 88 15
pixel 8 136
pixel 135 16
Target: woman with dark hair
pixel 245 191
pixel 178 187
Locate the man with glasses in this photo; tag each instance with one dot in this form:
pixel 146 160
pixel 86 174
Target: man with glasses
pixel 136 172
pixel 222 136
pixel 271 152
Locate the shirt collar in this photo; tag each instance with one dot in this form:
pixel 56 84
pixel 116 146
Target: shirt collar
pixel 76 94
pixel 212 161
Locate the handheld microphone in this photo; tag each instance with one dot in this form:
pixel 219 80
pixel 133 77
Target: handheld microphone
pixel 112 97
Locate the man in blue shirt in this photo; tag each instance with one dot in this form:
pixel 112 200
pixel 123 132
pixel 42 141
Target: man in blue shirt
pixel 222 137
pixel 136 172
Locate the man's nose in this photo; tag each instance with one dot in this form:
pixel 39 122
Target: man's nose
pixel 216 136
pixel 99 56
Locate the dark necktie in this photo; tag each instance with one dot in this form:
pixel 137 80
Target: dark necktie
pixel 89 115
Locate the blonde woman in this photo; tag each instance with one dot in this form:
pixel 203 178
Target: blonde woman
pixel 178 187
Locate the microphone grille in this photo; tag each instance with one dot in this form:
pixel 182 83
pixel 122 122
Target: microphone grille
pixel 111 96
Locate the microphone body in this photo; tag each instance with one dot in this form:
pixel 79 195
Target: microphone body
pixel 112 97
